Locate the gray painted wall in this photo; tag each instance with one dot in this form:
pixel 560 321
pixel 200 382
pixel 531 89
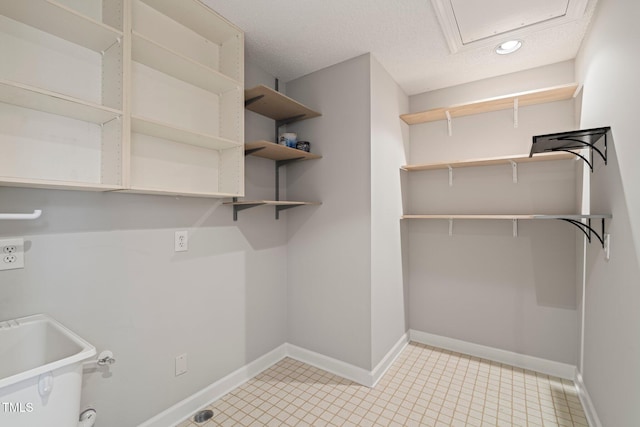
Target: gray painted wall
pixel 103 265
pixel 608 65
pixel 329 251
pixel 389 148
pixel 482 285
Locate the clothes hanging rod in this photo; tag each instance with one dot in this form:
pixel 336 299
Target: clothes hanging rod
pixel 35 215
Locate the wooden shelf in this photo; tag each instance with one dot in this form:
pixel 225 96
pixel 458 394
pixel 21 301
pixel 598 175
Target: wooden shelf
pixel 198 17
pixel 488 161
pixel 557 93
pixel 276 106
pixel 55 103
pixel 172 63
pixel 173 133
pixel 273 151
pixel 61 21
pixel 270 203
pixel 575 217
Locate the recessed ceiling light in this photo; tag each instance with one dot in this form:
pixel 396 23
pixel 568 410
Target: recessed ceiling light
pixel 508 47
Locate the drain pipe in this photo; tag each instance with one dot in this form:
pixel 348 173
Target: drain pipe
pixel 87 418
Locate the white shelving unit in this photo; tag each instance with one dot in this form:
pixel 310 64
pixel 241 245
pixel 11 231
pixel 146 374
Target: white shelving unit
pixel 143 96
pixel 61 94
pixel 187 101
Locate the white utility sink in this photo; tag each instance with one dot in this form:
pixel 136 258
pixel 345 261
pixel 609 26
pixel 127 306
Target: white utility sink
pixel 40 372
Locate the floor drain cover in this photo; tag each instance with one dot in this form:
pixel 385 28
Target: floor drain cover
pixel 203 416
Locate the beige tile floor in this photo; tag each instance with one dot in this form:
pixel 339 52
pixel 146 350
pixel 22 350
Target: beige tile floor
pixel 425 386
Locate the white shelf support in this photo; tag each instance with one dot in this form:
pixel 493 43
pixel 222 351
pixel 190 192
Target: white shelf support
pixel 515 228
pixel 450 176
pixel 450 226
pixel 514 169
pixel 515 112
pixel 35 215
pixel 449 125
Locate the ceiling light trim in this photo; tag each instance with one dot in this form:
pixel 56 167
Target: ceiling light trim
pixel 449 25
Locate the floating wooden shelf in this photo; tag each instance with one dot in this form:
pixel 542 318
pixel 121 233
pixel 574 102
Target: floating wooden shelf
pixel 185 136
pixel 273 151
pixel 488 161
pixel 172 63
pixel 61 21
pixel 270 103
pixel 557 93
pixel 55 103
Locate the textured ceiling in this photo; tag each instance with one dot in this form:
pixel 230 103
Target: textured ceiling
pixel 292 38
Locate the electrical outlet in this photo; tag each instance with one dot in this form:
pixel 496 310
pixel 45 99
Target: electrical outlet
pixel 181 364
pixel 607 247
pixel 181 241
pixel 11 254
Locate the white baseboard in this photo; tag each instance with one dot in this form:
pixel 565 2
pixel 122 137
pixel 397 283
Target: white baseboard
pixel 213 392
pixel 347 370
pixel 388 359
pixel 587 404
pixel 544 366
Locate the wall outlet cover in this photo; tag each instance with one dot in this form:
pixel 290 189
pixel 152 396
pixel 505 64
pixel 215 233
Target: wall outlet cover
pixel 181 243
pixel 11 254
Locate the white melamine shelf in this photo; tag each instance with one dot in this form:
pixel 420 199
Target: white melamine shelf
pixel 195 15
pixel 51 102
pixel 172 63
pixel 166 131
pixel 176 192
pixel 61 21
pixel 532 97
pixel 488 161
pixel 56 184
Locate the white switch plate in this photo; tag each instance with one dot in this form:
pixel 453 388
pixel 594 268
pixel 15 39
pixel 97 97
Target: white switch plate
pixel 607 246
pixel 181 241
pixel 181 364
pixel 11 254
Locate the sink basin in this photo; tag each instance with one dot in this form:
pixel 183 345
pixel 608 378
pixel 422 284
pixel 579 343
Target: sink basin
pixel 40 372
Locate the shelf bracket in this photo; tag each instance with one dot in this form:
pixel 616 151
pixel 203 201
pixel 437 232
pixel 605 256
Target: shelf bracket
pixel 279 164
pixel 253 150
pixel 450 226
pixel 252 100
pixel 514 168
pixel 515 228
pixel 580 139
pixel 288 120
pixel 450 176
pixel 238 208
pixel 587 229
pixel 449 125
pixel 515 112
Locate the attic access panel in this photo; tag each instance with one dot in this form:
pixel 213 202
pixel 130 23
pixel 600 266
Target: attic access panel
pixel 471 23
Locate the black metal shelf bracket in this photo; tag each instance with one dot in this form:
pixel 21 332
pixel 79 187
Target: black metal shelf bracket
pixel 238 208
pixel 252 100
pixel 587 229
pixel 279 164
pixel 575 140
